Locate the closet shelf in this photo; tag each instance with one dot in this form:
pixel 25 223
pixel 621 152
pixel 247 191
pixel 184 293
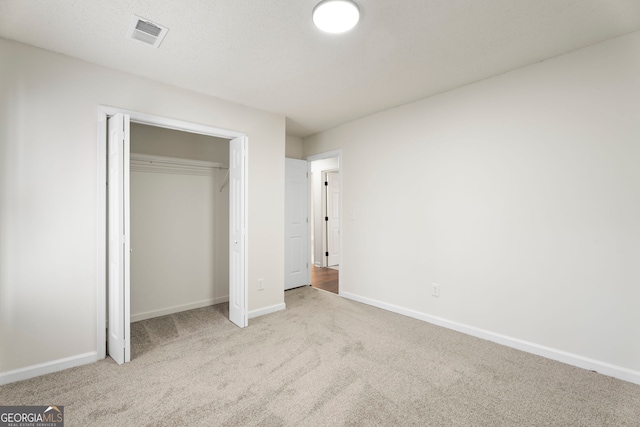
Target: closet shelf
pixel 160 164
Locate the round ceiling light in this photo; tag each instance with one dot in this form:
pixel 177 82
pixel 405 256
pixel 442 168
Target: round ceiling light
pixel 336 16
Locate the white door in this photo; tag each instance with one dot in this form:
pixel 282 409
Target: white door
pixel 296 228
pixel 333 218
pixel 237 233
pixel 119 238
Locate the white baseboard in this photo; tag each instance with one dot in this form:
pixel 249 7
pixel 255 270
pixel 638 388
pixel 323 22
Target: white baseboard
pixel 48 367
pixel 540 350
pixel 178 309
pixel 266 310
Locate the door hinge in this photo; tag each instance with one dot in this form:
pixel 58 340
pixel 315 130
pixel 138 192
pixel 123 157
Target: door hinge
pixel 326 254
pixel 326 218
pixel 326 183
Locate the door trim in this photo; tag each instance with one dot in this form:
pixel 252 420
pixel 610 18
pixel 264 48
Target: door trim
pixel 105 111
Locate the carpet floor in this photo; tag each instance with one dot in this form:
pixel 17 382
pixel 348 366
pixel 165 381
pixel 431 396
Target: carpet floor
pixel 325 361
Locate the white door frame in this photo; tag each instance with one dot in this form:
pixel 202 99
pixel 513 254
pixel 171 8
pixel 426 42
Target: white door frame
pixel 322 156
pixel 101 256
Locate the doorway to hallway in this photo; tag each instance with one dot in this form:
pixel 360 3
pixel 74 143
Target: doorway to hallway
pixel 313 206
pixel 326 220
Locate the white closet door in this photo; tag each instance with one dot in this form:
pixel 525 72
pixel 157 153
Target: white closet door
pixel 119 238
pixel 237 233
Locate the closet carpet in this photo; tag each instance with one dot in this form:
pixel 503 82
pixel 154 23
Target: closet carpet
pixel 325 361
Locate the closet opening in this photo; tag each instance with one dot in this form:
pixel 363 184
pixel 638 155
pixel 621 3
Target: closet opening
pixel 179 213
pixel 171 226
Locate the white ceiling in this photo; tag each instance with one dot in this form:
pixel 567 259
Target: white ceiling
pixel 267 53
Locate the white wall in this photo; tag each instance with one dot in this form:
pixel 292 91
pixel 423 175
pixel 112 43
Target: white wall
pixel 48 197
pixel 293 148
pixel 519 195
pixel 159 141
pixel 179 225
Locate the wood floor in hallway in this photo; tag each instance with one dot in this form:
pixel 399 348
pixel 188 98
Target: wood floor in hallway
pixel 325 279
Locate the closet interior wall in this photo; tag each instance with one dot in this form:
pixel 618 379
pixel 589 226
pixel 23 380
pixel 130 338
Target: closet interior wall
pixel 179 225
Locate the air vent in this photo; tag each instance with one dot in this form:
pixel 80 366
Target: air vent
pixel 146 31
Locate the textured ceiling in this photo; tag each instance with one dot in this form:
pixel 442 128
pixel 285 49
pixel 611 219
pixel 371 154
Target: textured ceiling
pixel 267 53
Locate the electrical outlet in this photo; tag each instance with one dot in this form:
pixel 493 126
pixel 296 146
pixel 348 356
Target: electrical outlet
pixel 435 290
pixel 261 284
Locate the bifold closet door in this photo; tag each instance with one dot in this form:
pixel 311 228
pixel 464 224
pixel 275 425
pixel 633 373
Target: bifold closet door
pixel 118 238
pixel 237 233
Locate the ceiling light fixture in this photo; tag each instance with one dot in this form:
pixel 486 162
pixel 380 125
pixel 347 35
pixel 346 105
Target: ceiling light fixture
pixel 336 16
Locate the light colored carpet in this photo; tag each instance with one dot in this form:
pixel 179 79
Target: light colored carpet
pixel 325 361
